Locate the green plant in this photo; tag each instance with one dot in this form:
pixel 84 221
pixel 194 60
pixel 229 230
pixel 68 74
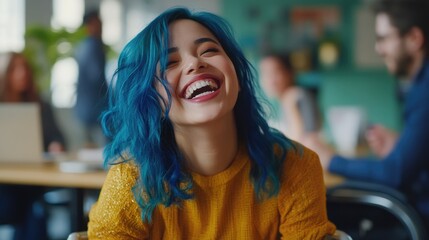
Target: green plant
pixel 44 46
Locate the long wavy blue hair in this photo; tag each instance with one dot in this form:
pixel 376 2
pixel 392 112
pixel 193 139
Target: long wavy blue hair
pixel 141 130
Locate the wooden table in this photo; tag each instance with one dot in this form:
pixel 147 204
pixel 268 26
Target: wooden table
pixel 50 175
pixel 332 179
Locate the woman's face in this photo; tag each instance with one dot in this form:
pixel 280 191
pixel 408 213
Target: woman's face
pixel 203 82
pixel 274 77
pixel 18 75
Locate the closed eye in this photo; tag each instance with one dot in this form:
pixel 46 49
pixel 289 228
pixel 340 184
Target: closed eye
pixel 210 50
pixel 171 63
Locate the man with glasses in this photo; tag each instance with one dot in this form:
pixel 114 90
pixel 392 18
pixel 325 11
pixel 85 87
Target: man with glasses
pixel 402 29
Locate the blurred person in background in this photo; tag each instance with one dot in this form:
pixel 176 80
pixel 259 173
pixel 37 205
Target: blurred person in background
pixel 402 30
pixel 91 85
pixel 18 86
pixel 19 205
pixel 298 116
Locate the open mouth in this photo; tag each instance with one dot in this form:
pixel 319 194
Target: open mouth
pixel 201 88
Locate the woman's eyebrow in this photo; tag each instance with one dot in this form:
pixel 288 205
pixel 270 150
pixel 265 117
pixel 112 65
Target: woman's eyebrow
pixel 206 39
pixel 196 42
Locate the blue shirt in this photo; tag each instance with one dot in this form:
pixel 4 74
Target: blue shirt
pixel 91 97
pixel 407 167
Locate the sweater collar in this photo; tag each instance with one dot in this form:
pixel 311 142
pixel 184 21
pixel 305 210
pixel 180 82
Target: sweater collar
pixel 240 160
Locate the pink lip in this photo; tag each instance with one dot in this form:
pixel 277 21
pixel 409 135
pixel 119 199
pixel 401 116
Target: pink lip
pixel 197 78
pixel 205 97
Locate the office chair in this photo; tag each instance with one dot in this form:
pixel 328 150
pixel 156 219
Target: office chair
pixel 78 236
pixel 338 235
pixel 373 211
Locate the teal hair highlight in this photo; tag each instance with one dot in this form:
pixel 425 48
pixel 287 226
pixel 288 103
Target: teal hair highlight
pixel 141 130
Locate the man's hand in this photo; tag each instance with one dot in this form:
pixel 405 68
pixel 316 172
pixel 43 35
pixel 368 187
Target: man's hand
pixel 381 140
pixel 55 147
pixel 324 151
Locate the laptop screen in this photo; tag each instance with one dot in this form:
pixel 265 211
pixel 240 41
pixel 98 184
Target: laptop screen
pixel 21 139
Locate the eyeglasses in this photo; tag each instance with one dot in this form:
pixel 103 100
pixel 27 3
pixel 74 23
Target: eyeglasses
pixel 383 38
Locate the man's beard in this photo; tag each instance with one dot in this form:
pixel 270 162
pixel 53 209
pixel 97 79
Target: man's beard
pixel 403 65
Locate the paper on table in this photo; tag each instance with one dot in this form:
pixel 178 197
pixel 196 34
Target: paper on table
pixel 346 124
pixel 90 154
pixel 87 160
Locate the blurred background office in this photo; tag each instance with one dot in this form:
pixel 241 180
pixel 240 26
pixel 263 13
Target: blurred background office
pixel 330 44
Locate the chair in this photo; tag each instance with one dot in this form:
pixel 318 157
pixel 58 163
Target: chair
pixel 339 235
pixel 78 236
pixel 356 206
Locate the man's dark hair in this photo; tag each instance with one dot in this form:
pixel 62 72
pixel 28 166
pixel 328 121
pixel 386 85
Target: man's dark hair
pixel 91 14
pixel 406 14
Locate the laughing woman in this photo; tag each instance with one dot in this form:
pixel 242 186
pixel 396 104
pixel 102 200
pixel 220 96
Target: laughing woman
pixel 192 156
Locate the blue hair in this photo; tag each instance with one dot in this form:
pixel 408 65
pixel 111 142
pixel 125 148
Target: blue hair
pixel 137 119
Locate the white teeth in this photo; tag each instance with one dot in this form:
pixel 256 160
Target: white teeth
pixel 200 84
pixel 204 93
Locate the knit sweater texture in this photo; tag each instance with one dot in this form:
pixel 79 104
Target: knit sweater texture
pixel 224 205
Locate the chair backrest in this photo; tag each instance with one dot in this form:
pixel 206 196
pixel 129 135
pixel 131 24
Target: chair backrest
pixel 352 197
pixel 78 236
pixel 339 235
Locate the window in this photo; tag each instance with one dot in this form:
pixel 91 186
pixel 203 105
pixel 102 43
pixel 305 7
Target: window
pixel 12 25
pixel 67 14
pixel 64 75
pixel 111 14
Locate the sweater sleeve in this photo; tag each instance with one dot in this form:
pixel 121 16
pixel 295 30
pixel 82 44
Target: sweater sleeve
pixel 302 198
pixel 116 215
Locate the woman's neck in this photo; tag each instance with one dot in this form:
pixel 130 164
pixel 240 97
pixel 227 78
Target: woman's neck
pixel 209 148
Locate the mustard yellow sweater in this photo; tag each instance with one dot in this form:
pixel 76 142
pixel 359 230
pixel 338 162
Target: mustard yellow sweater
pixel 224 206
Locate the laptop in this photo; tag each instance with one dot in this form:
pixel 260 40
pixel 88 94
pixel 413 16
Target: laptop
pixel 21 139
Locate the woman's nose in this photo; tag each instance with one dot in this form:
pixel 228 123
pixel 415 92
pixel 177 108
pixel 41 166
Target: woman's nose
pixel 194 64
